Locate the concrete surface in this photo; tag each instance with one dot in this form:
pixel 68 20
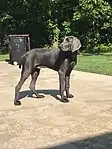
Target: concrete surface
pixel 45 123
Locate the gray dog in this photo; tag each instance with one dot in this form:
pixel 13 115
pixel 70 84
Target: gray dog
pixel 62 60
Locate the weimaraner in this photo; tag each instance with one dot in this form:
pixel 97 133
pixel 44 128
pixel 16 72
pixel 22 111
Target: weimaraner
pixel 61 60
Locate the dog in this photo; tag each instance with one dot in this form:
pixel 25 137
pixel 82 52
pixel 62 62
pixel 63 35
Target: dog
pixel 61 60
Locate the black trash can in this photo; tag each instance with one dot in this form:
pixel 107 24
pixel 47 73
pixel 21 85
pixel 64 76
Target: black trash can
pixel 18 45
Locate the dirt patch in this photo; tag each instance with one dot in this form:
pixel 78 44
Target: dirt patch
pixel 42 123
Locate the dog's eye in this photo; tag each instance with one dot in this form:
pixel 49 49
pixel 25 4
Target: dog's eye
pixel 67 39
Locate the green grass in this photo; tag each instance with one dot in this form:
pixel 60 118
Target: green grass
pixel 4 57
pixel 101 64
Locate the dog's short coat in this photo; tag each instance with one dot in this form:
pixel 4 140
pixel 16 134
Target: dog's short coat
pixel 61 60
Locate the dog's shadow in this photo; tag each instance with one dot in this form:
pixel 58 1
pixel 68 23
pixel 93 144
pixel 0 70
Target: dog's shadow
pixel 29 93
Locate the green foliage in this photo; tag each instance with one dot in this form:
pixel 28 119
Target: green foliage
pixel 104 48
pixel 66 26
pixel 47 21
pixel 54 31
pixel 93 23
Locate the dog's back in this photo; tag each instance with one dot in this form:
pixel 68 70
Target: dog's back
pixel 40 57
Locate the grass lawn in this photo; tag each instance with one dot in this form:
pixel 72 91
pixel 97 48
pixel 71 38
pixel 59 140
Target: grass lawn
pixel 101 64
pixel 4 57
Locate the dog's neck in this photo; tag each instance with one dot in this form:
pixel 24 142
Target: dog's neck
pixel 71 56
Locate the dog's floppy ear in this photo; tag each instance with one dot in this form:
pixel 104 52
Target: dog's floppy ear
pixel 76 44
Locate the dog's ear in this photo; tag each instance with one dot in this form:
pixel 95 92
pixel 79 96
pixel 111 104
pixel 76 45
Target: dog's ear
pixel 75 45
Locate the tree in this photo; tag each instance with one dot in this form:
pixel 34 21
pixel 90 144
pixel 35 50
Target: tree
pixel 47 21
pixel 91 19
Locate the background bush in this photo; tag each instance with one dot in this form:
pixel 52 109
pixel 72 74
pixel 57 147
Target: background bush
pixel 103 48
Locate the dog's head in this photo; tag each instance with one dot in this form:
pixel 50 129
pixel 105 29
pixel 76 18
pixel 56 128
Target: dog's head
pixel 70 43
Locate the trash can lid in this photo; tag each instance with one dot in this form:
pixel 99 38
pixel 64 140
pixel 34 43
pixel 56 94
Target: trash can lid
pixel 19 35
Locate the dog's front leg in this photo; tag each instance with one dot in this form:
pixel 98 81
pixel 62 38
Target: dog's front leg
pixel 62 86
pixel 67 86
pixel 67 79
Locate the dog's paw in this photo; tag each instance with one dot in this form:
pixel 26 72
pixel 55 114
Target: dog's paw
pixel 70 96
pixel 65 100
pixel 40 96
pixel 17 103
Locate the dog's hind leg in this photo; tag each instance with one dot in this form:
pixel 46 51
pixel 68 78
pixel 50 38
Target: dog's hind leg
pixel 24 75
pixel 34 75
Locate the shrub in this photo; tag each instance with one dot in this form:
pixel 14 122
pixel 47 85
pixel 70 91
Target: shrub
pixel 103 48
